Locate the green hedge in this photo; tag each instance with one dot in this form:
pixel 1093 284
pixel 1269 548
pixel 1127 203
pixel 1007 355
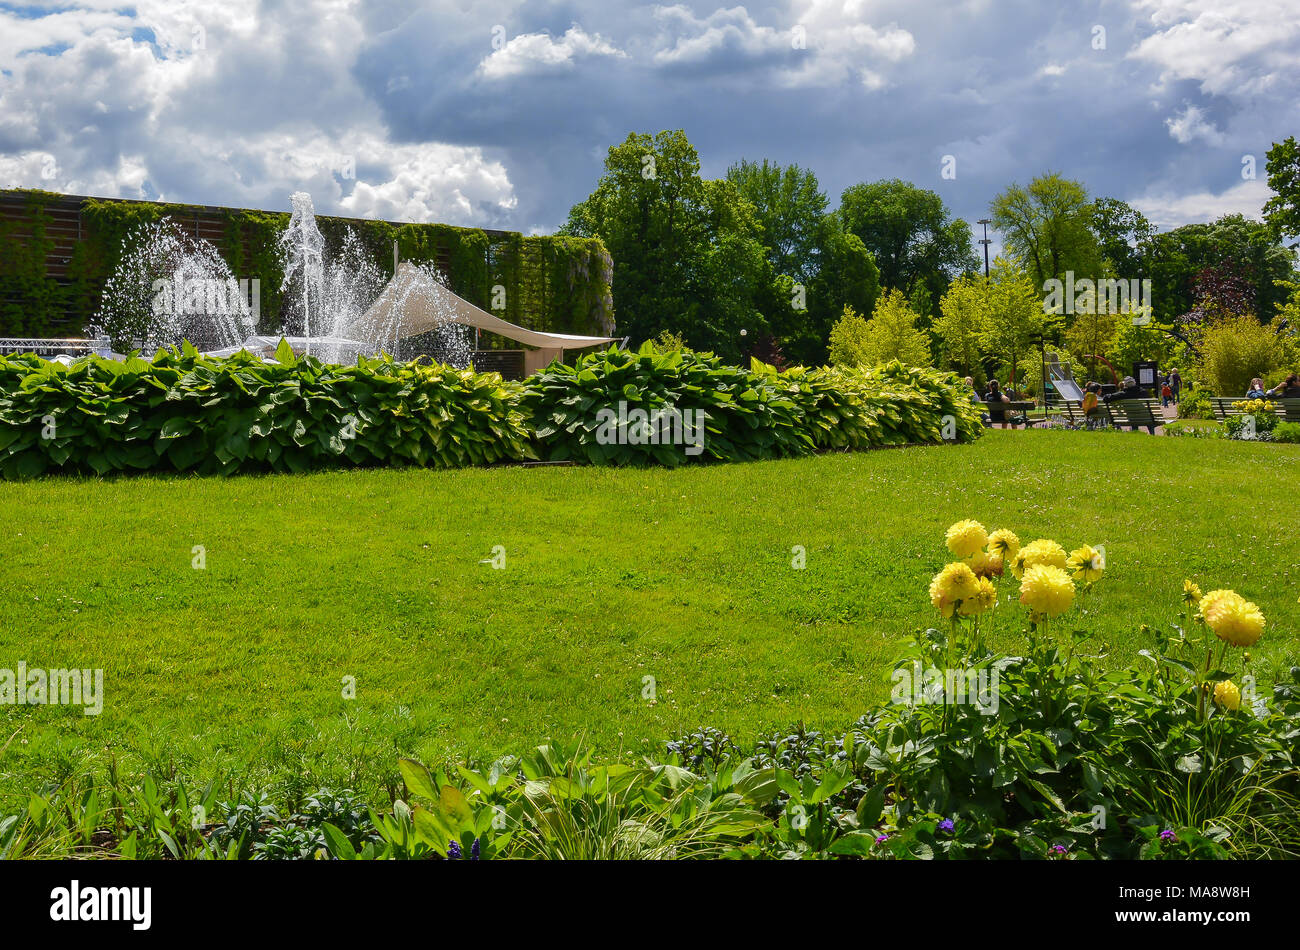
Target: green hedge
pixel 750 414
pixel 187 412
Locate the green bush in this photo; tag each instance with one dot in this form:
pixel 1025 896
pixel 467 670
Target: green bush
pixel 1195 404
pixel 188 412
pixel 750 414
pixel 1287 432
pixel 1238 349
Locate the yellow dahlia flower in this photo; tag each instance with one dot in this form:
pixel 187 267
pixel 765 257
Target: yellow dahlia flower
pixel 1087 563
pixel 1046 590
pixel 965 538
pixel 1191 593
pixel 1233 619
pixel 1227 695
pixel 1003 544
pixel 1041 552
pixel 953 586
pixel 985 598
pixel 985 564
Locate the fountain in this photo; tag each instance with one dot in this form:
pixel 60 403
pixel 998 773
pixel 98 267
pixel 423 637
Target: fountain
pixel 337 303
pixel 171 286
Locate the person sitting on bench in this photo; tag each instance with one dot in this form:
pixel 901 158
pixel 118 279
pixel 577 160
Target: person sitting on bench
pixel 1256 390
pixel 1093 414
pixel 995 397
pixel 1289 388
pixel 1129 390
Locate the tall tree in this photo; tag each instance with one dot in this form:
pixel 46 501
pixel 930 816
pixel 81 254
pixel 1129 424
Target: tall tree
pixel 963 312
pixel 1048 228
pixel 1233 245
pixel 1015 314
pixel 1282 210
pixel 789 206
pixel 910 234
pixel 688 256
pixel 1123 236
pixel 892 333
pixel 820 269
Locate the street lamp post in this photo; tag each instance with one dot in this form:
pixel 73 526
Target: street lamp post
pixel 986 222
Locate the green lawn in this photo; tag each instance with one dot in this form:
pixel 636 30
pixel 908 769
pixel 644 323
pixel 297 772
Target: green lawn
pixel 611 576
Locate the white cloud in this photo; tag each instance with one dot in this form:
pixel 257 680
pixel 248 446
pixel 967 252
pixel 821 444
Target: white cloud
pixel 1228 46
pixel 533 53
pixel 1192 124
pixel 826 42
pixel 1166 209
pixel 221 102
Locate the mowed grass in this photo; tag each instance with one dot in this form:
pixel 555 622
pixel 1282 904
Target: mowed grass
pixel 611 576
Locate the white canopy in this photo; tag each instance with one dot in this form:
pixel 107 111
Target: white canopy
pixel 416 303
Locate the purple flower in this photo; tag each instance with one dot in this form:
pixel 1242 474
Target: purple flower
pixel 946 825
pixel 473 850
pixel 453 851
pixel 882 839
pixel 1168 835
pixel 1058 849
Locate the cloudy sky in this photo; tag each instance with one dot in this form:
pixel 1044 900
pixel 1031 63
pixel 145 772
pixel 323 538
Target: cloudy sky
pixel 498 114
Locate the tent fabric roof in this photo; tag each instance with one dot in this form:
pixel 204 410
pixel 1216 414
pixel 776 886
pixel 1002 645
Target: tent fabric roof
pixel 423 304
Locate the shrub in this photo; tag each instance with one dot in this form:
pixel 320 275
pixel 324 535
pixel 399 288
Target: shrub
pixel 591 410
pixel 619 408
pixel 188 412
pixel 1287 432
pixel 1258 419
pixel 890 334
pixel 1235 351
pixel 1195 404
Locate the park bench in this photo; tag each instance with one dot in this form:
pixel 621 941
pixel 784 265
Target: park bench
pixel 1136 412
pixel 1288 409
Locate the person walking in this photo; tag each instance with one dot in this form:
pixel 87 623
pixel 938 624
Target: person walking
pixel 1176 384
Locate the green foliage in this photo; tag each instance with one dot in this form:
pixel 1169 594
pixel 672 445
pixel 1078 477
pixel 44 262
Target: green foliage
pixel 1135 342
pixel 909 233
pixel 890 334
pixel 1195 404
pixel 592 410
pixel 963 313
pixel 1014 318
pixel 891 404
pixel 187 412
pixel 1246 249
pixel 1235 351
pixel 1047 227
pixel 1287 432
pixel 1282 210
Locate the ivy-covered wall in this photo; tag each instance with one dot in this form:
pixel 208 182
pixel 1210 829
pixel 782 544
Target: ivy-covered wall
pixel 56 251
